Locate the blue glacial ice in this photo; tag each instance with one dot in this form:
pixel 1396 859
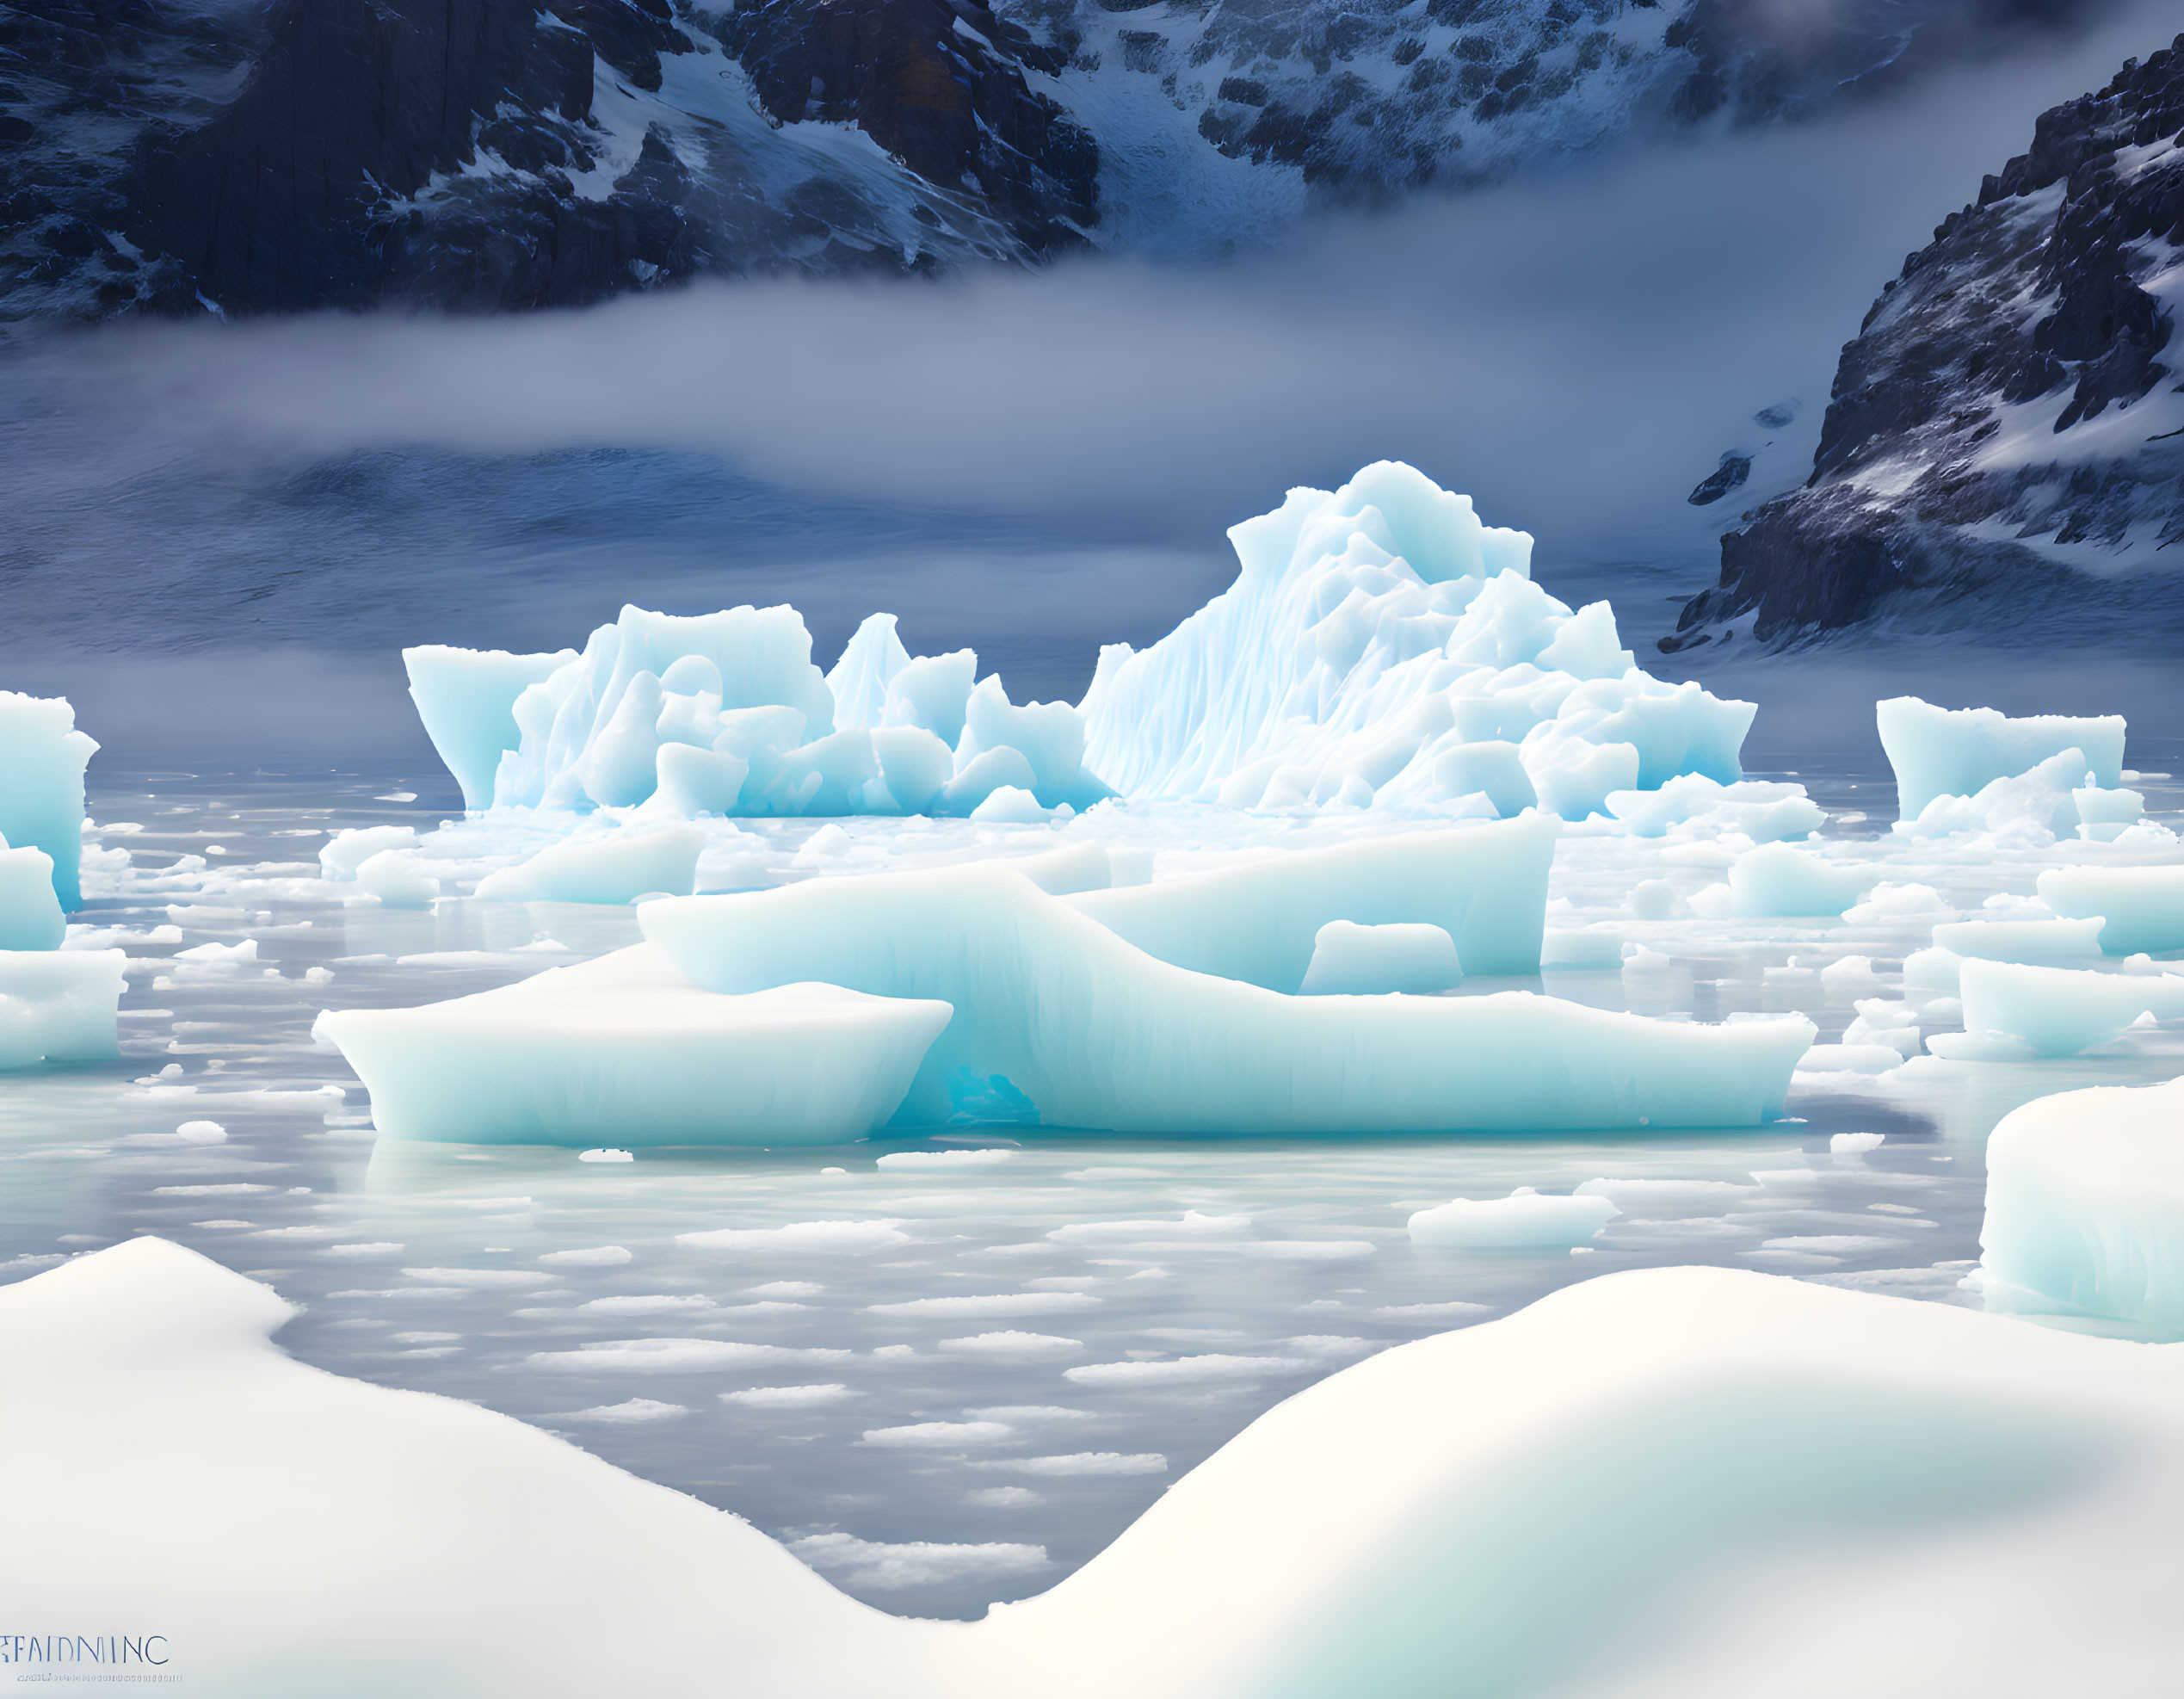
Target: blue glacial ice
pixel 42 758
pixel 1055 1012
pixel 1958 752
pixel 623 1050
pixel 1381 646
pixel 2138 908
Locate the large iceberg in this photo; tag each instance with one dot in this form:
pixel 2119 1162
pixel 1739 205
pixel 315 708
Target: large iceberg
pixel 2085 1203
pixel 42 758
pixel 59 1005
pixel 1959 752
pixel 1381 646
pixel 1968 1504
pixel 623 1050
pixel 725 714
pixel 1059 1020
pixel 2137 908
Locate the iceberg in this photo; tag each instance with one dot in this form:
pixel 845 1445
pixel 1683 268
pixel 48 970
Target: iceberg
pixel 2052 1011
pixel 1378 639
pixel 2027 940
pixel 30 912
pixel 624 1049
pixel 1484 884
pixel 467 699
pixel 2140 909
pixel 1959 752
pixel 42 758
pixel 1524 1221
pixel 1533 1497
pixel 1381 646
pixel 1089 1031
pixel 59 1005
pixel 725 715
pixel 1777 880
pixel 2085 1203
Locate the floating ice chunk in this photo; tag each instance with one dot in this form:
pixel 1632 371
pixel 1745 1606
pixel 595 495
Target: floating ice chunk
pixel 59 1005
pixel 614 869
pixel 345 851
pixel 42 758
pixel 1485 884
pixel 1088 1031
pixel 396 879
pixel 1524 1221
pixel 1844 979
pixel 2041 798
pixel 2142 907
pixel 932 693
pixel 1374 637
pixel 1411 957
pixel 624 1046
pixel 1855 1144
pixel 1763 812
pixel 467 699
pixel 2097 807
pixel 1050 736
pixel 1776 880
pixel 1958 752
pixel 1880 1021
pixel 604 1155
pixel 2034 940
pixel 1888 901
pixel 2057 1011
pixel 201 1132
pixel 2085 1202
pixel 30 914
pixel 1009 804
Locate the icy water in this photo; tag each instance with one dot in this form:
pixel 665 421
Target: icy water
pixel 1005 1347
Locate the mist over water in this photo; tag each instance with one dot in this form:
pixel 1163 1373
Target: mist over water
pixel 204 520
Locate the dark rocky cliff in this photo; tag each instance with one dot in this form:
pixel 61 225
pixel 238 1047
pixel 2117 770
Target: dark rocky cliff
pixel 244 156
pixel 2004 445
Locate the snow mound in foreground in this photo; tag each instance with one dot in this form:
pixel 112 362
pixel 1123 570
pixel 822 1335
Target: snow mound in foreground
pixel 1974 1505
pixel 2085 1203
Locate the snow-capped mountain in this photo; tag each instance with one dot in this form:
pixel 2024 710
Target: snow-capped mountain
pixel 2006 431
pixel 196 155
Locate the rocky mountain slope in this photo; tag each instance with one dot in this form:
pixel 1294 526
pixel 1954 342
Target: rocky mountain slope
pixel 2005 439
pixel 253 155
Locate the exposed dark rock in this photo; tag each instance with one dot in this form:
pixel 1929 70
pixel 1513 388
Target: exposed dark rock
pixel 1730 474
pixel 2006 431
pixel 485 154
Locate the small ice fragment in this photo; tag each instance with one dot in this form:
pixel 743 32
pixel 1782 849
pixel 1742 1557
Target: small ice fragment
pixel 201 1132
pixel 604 1156
pixel 1856 1144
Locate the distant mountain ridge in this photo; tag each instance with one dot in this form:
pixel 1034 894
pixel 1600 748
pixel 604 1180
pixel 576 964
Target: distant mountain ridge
pixel 2005 439
pixel 190 156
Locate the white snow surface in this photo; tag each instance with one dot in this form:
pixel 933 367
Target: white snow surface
pixel 1976 1505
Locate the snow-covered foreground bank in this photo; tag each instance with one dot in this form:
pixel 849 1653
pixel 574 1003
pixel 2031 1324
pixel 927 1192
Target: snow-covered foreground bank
pixel 1647 1484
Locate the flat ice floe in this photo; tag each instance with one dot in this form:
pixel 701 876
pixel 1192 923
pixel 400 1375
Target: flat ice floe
pixel 1974 1505
pixel 624 1049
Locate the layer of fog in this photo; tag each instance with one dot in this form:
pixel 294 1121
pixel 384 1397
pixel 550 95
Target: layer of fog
pixel 1576 349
